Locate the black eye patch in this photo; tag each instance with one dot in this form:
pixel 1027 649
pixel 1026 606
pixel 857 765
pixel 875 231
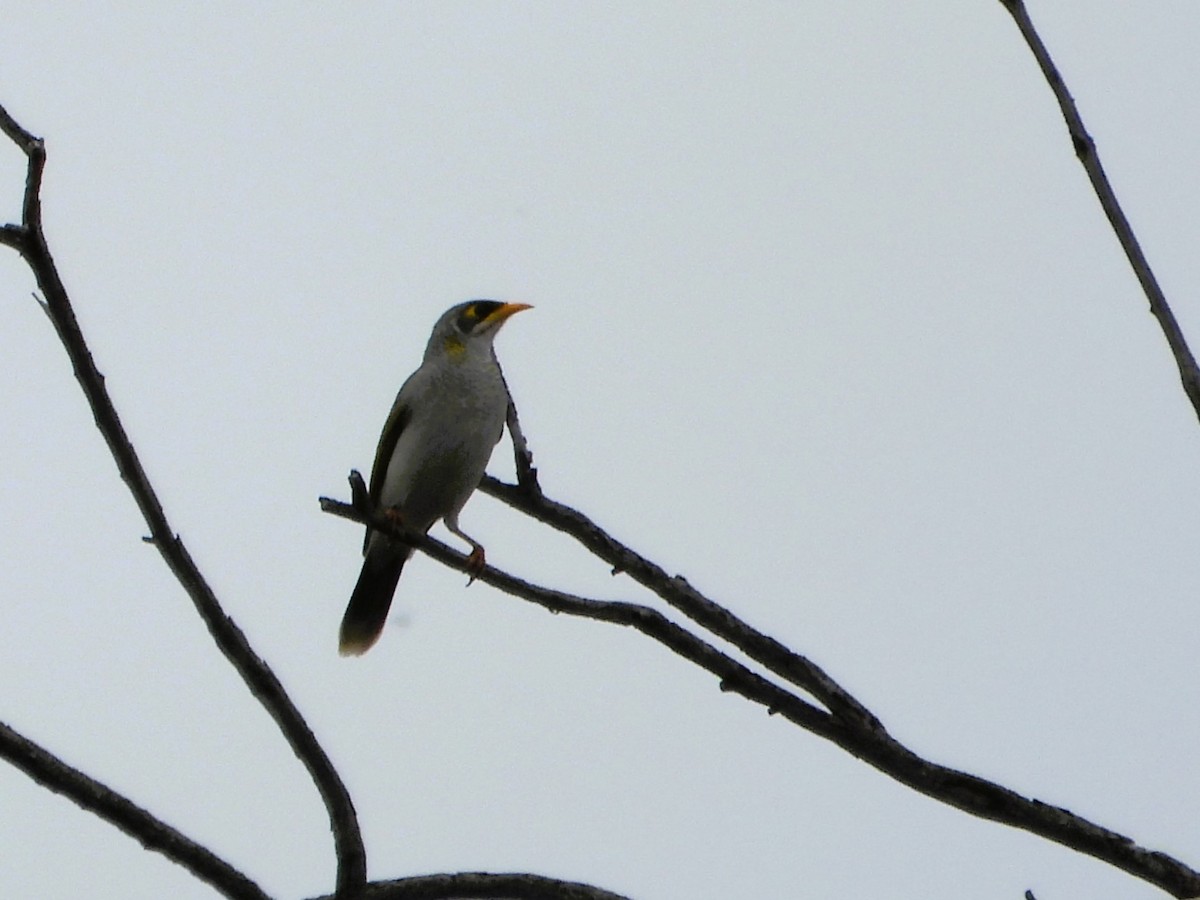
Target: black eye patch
pixel 474 313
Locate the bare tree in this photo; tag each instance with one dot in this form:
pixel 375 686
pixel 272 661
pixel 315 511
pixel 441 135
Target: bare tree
pixel 795 689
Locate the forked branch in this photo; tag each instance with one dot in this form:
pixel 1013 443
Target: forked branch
pixel 851 726
pixel 30 241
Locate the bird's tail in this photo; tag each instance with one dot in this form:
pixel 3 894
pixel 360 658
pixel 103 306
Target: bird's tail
pixel 369 604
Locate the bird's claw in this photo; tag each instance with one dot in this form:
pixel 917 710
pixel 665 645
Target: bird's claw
pixel 475 563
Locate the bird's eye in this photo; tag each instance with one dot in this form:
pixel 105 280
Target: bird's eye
pixel 468 318
pixel 474 313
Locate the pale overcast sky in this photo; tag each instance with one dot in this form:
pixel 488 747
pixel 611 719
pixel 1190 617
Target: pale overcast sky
pixel 827 319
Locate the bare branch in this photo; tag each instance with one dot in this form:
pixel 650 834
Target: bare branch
pixel 154 834
pixel 14 132
pixel 1085 149
pixel 522 455
pixel 853 734
pixel 52 773
pixel 733 675
pixel 35 151
pixel 258 676
pixel 484 886
pixel 676 591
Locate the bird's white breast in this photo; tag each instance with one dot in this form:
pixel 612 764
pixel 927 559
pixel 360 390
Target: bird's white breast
pixel 457 416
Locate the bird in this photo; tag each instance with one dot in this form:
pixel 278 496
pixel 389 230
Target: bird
pixel 435 446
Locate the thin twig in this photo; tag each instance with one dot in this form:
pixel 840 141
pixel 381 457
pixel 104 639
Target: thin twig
pixel 1085 150
pixel 258 676
pixel 522 455
pixel 52 773
pixel 35 152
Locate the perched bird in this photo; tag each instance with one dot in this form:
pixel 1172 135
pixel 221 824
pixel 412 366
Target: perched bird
pixel 435 446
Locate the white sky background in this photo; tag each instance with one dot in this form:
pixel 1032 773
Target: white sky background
pixel 828 319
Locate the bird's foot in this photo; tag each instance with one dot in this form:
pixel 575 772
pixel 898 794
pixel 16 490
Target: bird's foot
pixel 393 515
pixel 475 563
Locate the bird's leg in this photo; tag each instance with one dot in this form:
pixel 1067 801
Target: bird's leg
pixel 477 559
pixel 394 517
pixel 476 562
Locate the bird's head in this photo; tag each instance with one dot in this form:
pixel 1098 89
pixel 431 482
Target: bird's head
pixel 472 323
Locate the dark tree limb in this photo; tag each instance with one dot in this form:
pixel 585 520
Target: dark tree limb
pixel 854 733
pixel 29 240
pixel 1085 150
pixel 152 833
pixel 483 886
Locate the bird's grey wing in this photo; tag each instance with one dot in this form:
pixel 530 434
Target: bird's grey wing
pixel 397 421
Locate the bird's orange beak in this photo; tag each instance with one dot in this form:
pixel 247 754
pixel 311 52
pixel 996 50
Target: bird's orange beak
pixel 508 309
